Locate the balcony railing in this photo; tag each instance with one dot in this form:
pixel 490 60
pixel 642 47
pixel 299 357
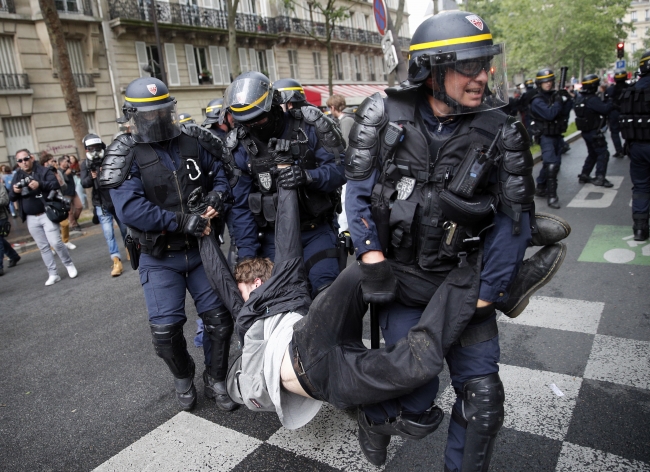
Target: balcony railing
pixel 84 80
pixel 14 82
pixel 74 6
pixel 7 6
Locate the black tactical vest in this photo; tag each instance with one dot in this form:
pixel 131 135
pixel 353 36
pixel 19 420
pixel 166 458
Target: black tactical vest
pixel 635 114
pixel 419 232
pixel 540 126
pixel 586 118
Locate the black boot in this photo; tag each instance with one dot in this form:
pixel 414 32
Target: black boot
pixel 584 178
pixel 373 445
pixel 551 185
pixel 619 155
pixel 550 229
pixel 186 391
pixel 534 273
pixel 218 392
pixel 640 227
pixel 601 181
pixel 540 191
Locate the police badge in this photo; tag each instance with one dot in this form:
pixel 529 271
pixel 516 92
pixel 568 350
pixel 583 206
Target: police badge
pixel 265 180
pixel 405 187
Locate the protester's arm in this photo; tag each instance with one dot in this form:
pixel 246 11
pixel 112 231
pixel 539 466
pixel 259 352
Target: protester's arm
pixel 287 227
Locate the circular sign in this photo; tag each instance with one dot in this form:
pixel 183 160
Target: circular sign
pixel 379 10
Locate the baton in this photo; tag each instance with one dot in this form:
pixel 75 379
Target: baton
pixel 374 327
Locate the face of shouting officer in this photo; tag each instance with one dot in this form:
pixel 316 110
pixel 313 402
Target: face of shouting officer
pixel 466 90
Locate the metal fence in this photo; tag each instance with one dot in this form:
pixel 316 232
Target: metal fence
pixel 14 81
pixel 7 6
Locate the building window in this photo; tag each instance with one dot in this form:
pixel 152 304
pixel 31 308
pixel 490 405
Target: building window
pixel 68 6
pixel 339 67
pixel 647 15
pixel 357 67
pixel 148 58
pixel 18 134
pixel 293 64
pixel 220 65
pixel 76 55
pixel 371 68
pixel 10 79
pixel 633 48
pixel 201 58
pixel 318 70
pixel 633 34
pixel 89 118
pixel 634 16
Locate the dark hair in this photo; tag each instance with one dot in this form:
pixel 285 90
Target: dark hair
pixel 29 153
pixel 45 157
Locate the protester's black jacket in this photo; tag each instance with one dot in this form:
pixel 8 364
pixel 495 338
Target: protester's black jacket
pixel 101 196
pixel 47 180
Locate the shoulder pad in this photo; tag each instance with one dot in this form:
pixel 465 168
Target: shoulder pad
pixel 232 139
pixel 207 140
pixel 329 135
pixel 403 87
pixel 371 111
pixel 117 162
pixel 514 136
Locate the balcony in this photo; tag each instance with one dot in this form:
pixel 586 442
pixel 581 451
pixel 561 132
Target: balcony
pixel 7 6
pixel 74 7
pixel 14 82
pixel 84 80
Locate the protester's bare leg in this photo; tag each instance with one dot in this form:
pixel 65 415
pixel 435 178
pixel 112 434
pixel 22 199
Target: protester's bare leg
pixel 289 378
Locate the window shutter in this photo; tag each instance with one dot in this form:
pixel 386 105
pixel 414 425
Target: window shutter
pixel 7 55
pixel 243 59
pixel 270 59
pixel 345 57
pixel 253 59
pixel 216 65
pixel 75 53
pixel 141 54
pixel 191 64
pixel 172 64
pixel 364 67
pixel 225 64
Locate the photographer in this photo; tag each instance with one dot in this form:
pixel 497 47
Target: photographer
pixel 102 203
pixel 29 187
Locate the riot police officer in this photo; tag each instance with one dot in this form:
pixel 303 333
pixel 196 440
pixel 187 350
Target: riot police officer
pixel 292 93
pixel 613 94
pixel 310 144
pixel 590 119
pixel 416 162
pixel 186 118
pixel 217 119
pixel 635 128
pixel 549 110
pixel 151 174
pixel 524 102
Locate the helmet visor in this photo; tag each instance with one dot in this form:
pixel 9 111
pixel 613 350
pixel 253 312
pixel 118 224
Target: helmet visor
pixel 476 81
pixel 248 98
pixel 155 123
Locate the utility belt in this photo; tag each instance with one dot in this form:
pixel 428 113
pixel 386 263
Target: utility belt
pixel 541 127
pixel 157 243
pixel 635 127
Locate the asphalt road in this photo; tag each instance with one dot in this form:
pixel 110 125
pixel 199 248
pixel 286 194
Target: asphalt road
pixel 80 385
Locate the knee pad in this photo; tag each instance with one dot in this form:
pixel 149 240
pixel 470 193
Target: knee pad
pixel 218 324
pixel 170 345
pixel 483 399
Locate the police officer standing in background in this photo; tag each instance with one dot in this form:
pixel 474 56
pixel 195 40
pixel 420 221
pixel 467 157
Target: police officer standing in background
pixel 311 145
pixel 590 119
pixel 151 174
pixel 217 119
pixel 549 110
pixel 613 94
pixel 415 165
pixel 635 128
pixel 292 94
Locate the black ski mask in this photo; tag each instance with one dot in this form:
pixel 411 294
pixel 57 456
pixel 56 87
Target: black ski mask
pixel 273 127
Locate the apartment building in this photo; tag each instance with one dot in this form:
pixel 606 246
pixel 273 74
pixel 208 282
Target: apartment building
pixel 639 15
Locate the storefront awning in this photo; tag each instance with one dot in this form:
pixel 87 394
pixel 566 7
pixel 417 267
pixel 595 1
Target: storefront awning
pixel 354 94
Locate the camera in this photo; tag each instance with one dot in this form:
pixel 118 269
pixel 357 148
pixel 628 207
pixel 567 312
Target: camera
pixel 23 185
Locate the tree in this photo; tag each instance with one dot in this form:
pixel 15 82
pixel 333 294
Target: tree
pixel 68 85
pixel 332 15
pixel 232 36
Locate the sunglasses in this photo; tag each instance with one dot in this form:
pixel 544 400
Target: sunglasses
pixel 473 67
pixel 26 159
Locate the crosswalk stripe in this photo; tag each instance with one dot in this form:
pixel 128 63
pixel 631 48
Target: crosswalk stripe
pixel 584 459
pixel 619 360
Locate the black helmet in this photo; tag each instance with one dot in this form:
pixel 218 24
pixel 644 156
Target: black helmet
pixel 620 75
pixel 185 118
pixel 529 83
pixel 644 63
pixel 590 83
pixel 544 75
pixel 214 112
pixel 93 140
pixel 151 111
pixel 461 42
pixel 290 91
pixel 249 96
pixel 94 147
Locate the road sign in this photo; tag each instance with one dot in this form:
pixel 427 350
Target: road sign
pixel 391 59
pixel 386 42
pixel 381 18
pixel 620 64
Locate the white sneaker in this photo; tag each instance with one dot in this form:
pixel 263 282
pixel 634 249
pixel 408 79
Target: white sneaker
pixel 52 279
pixel 72 271
pixel 69 245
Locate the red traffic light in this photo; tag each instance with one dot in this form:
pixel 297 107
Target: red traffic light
pixel 620 45
pixel 620 50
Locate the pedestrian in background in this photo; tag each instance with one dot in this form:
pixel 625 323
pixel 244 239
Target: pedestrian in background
pixel 5 247
pixel 65 163
pixel 7 177
pixel 76 169
pixel 47 160
pixel 339 115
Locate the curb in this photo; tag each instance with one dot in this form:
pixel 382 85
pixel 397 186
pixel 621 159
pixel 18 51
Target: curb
pixel 569 139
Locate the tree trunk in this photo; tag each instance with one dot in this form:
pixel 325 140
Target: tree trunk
pixel 232 38
pixel 68 86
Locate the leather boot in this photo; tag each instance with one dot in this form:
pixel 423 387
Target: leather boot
pixel 373 445
pixel 185 391
pixel 550 229
pixel 641 229
pixel 584 178
pixel 218 392
pixel 601 181
pixel 117 267
pixel 534 273
pixel 551 186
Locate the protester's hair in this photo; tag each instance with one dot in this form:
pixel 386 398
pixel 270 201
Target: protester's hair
pixel 29 153
pixel 337 102
pixel 248 270
pixel 44 157
pixel 63 158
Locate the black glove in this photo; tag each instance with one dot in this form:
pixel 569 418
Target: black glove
pixel 191 224
pixel 378 282
pixel 215 200
pixel 280 150
pixel 564 93
pixel 559 98
pixel 293 177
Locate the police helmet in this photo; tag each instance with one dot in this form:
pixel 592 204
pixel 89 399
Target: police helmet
pixel 544 75
pixel 590 83
pixel 151 111
pixel 249 96
pixel 214 112
pixel 290 91
pixel 185 118
pixel 644 63
pixel 620 75
pixel 529 83
pixel 453 46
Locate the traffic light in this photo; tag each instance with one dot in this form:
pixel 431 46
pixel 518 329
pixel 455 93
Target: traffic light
pixel 620 50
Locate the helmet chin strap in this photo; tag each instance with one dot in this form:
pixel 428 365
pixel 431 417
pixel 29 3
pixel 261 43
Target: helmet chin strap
pixel 446 99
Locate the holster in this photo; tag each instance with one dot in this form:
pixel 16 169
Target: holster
pixel 133 248
pixel 380 210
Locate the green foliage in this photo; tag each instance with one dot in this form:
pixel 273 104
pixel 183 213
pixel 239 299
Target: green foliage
pixel 564 33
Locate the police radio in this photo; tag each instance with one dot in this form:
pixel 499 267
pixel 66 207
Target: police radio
pixel 473 169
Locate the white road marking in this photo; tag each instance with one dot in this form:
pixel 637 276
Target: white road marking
pixel 619 360
pixel 607 195
pixel 574 458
